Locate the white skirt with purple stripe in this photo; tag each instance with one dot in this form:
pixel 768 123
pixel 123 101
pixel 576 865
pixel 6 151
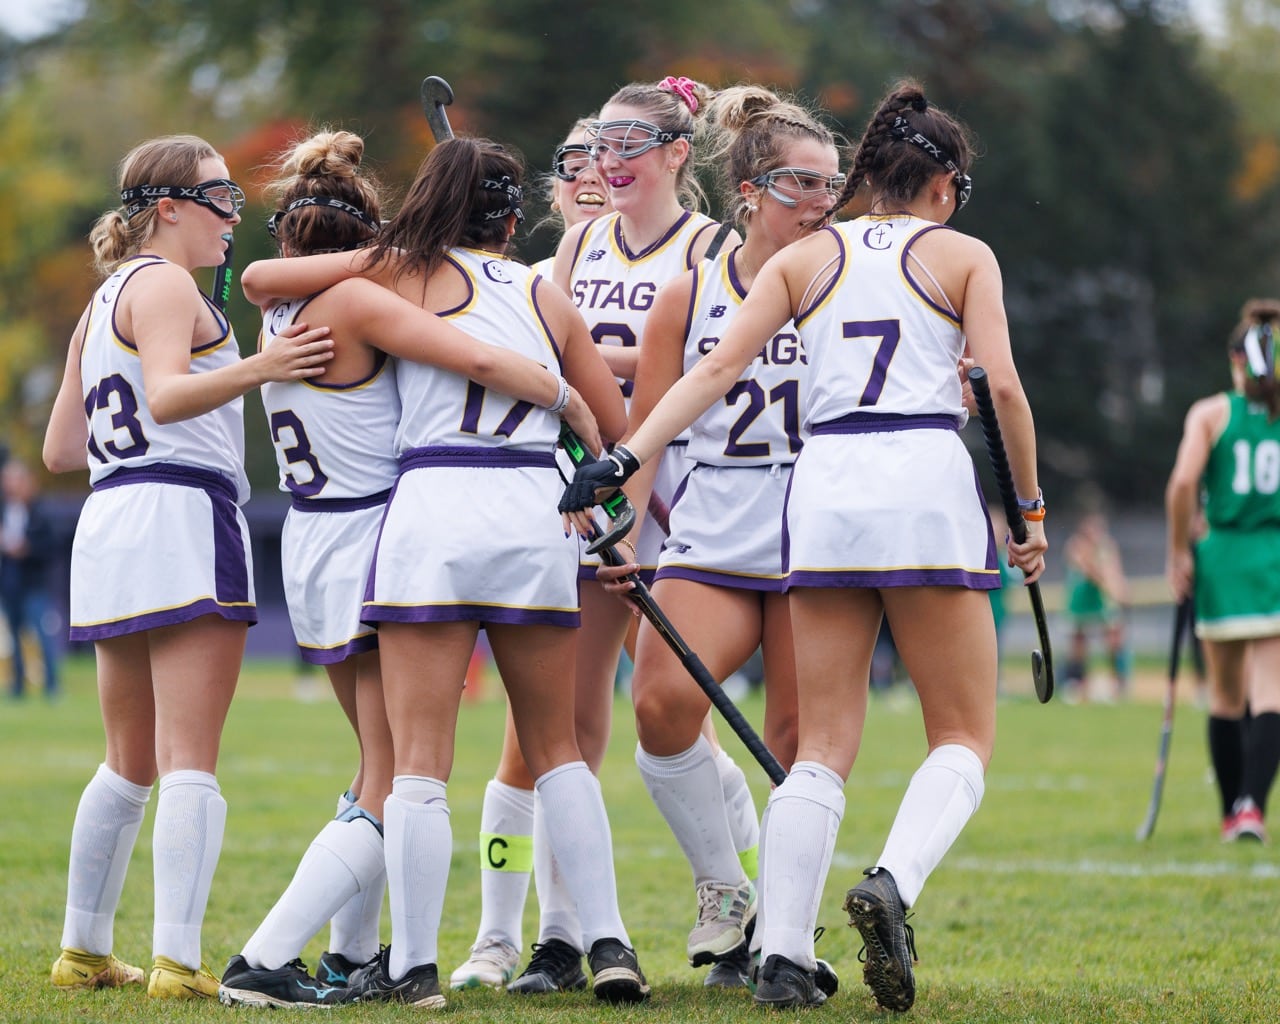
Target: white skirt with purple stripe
pixel 149 554
pixel 473 535
pixel 326 551
pixel 726 527
pixel 890 508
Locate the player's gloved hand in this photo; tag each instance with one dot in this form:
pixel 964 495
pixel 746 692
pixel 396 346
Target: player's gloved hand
pixel 607 474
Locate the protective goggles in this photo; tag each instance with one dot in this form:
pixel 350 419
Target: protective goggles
pixel 792 186
pixel 964 184
pixel 570 161
pixel 273 224
pixel 630 138
pixel 221 195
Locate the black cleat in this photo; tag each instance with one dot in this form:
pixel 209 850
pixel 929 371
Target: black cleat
pixel 372 984
pixel 289 985
pixel 617 974
pixel 888 942
pixel 334 969
pixel 785 985
pixel 733 970
pixel 554 967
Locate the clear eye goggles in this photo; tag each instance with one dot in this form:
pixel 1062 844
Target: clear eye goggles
pixel 630 138
pixel 570 161
pixel 792 186
pixel 221 195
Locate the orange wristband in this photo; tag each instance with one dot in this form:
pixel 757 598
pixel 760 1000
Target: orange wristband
pixel 1035 516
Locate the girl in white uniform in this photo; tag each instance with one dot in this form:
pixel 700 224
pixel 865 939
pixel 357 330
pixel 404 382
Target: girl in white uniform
pixel 612 265
pixel 335 444
pixel 463 546
pixel 884 518
pixel 506 817
pixel 161 578
pixel 720 578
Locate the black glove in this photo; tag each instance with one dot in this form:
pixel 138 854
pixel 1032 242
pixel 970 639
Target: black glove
pixel 610 472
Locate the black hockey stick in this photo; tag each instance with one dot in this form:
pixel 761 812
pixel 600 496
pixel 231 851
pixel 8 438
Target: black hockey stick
pixel 1041 659
pixel 692 663
pixel 436 95
pixel 1181 626
pixel 221 290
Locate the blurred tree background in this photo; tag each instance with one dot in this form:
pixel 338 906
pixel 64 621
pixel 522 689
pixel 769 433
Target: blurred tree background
pixel 1128 179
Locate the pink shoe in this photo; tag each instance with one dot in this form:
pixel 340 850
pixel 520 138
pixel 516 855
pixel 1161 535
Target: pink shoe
pixel 1246 821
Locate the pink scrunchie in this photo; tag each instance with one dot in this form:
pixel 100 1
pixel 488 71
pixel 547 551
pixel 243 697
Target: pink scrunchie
pixel 682 87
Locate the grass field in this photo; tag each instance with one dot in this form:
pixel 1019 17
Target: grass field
pixel 1047 909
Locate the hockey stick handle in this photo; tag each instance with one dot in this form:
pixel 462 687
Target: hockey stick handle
pixel 995 451
pixel 220 293
pixel 580 456
pixel 1181 626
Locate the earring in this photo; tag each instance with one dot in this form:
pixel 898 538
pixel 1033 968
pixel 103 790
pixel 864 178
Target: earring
pixel 173 218
pixel 752 208
pixel 946 199
pixel 555 206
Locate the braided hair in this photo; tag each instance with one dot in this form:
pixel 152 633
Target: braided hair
pixel 896 170
pixel 750 127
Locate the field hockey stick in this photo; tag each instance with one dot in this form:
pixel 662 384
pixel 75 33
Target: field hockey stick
pixel 221 290
pixel 692 663
pixel 618 507
pixel 1041 659
pixel 1181 626
pixel 436 95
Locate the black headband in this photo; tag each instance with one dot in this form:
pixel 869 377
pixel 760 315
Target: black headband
pixel 903 129
pixel 515 196
pixel 139 197
pixel 273 223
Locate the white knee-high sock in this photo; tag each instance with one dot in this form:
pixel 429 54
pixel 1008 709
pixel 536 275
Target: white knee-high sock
pixel 191 817
pixel 557 914
pixel 744 822
pixel 106 827
pixel 355 929
pixel 797 840
pixel 943 795
pixel 342 861
pixel 506 859
pixel 687 791
pixel 419 843
pixel 579 831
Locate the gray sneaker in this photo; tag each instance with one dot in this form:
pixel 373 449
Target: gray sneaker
pixel 888 942
pixel 372 983
pixel 724 911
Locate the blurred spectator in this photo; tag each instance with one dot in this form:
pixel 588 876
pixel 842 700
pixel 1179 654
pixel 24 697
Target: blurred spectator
pixel 1096 595
pixel 26 557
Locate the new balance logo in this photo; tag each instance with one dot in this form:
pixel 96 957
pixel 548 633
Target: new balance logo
pixel 715 312
pixel 595 254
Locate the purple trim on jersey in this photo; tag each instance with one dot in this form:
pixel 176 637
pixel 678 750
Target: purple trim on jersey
pixel 876 578
pixel 115 305
pixel 885 423
pixel 167 617
pixel 653 247
pixel 301 504
pixel 222 322
pixel 727 580
pixel 693 300
pixel 910 278
pixel 471 289
pixel 734 280
pixel 821 297
pixel 546 328
pixel 379 364
pixel 689 261
pixel 336 655
pixel 481 613
pixel 786 533
pixel 476 458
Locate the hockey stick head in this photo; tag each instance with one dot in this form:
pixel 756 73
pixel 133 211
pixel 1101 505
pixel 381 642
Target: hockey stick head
pixel 436 95
pixel 622 516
